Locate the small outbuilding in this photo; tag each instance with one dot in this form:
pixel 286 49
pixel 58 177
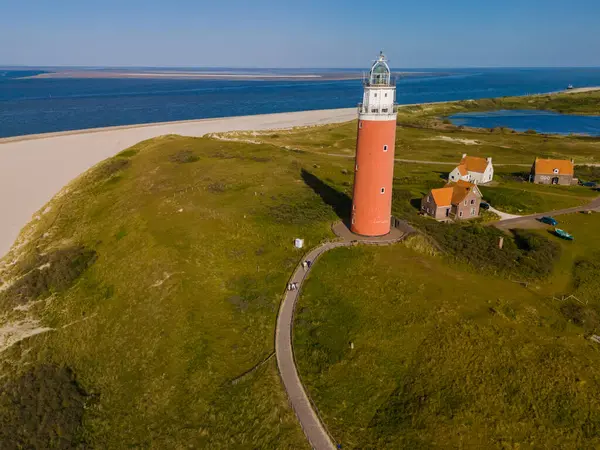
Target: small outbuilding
pixel 455 201
pixel 473 170
pixel 553 171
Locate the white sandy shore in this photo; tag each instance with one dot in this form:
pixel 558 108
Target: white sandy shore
pixel 34 168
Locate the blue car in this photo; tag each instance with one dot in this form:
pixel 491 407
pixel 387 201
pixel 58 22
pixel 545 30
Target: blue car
pixel 549 220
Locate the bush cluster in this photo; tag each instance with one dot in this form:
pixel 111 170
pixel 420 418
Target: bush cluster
pixel 53 272
pixel 43 408
pixel 183 157
pixel 526 255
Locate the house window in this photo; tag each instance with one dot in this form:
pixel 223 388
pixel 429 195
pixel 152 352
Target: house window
pixel 465 203
pixel 352 220
pixel 385 95
pixel 383 190
pixel 385 148
pixel 375 94
pixel 384 110
pixel 353 207
pixel 472 211
pixel 555 170
pixel 472 202
pixel 356 168
pixel 428 198
pixel 460 214
pixel 374 110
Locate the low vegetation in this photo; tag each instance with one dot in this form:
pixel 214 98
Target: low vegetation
pixel 158 278
pixel 166 281
pixel 53 272
pixel 43 408
pixel 526 255
pixel 401 350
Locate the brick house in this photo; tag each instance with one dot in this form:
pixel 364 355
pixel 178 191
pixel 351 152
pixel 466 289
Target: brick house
pixel 553 171
pixel 455 201
pixel 473 169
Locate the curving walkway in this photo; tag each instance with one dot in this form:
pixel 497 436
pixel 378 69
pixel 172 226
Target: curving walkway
pixel 314 429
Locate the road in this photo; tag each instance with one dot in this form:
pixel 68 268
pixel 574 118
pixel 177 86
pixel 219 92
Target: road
pixel 506 224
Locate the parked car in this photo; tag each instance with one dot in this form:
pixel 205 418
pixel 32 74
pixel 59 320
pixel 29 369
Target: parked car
pixel 484 205
pixel 549 220
pixel 589 184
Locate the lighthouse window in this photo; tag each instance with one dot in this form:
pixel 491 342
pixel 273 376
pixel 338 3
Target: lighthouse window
pixel 375 94
pixel 383 190
pixel 385 148
pixel 385 95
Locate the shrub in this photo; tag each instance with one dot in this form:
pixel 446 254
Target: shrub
pixel 183 157
pixel 528 255
pixel 53 272
pixel 43 408
pixel 111 167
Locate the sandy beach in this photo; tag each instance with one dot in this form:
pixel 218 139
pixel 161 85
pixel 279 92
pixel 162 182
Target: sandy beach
pixel 34 168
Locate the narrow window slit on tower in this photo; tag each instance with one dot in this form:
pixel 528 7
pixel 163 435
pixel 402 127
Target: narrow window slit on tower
pixel 385 148
pixel 383 190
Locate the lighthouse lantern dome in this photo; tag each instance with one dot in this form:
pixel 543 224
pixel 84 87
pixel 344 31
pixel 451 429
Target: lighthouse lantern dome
pixel 380 72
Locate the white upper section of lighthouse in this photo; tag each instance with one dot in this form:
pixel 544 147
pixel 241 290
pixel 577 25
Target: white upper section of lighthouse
pixel 379 98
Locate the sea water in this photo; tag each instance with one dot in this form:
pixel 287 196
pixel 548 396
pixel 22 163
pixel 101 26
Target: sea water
pixel 523 120
pixel 39 105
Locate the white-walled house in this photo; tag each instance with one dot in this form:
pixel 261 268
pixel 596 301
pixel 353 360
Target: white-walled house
pixel 474 170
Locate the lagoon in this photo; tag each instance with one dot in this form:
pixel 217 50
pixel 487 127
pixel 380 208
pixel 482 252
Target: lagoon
pixel 522 120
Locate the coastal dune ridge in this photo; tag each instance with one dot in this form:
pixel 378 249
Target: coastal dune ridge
pixel 33 169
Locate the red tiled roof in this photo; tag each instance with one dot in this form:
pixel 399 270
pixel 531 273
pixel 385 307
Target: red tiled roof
pixel 442 196
pixel 474 164
pixel 547 166
pixel 460 190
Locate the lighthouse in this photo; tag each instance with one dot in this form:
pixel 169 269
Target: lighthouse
pixel 374 164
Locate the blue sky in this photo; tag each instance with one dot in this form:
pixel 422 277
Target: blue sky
pixel 301 33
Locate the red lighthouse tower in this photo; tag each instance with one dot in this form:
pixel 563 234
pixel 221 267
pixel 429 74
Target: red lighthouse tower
pixel 374 168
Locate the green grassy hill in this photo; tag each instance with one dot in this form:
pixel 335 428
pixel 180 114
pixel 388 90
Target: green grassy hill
pixel 146 295
pixel 402 350
pixel 184 247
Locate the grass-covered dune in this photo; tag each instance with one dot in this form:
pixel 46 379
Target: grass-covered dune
pixel 160 273
pixel 138 308
pixel 400 349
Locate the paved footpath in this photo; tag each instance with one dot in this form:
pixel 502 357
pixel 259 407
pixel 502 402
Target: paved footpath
pixel 316 433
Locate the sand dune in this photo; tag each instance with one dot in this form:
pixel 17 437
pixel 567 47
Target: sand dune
pixel 34 168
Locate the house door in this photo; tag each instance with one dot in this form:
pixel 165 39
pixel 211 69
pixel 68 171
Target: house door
pixel 555 180
pixel 447 212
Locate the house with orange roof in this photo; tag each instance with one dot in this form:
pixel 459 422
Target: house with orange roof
pixel 553 171
pixel 473 169
pixel 455 201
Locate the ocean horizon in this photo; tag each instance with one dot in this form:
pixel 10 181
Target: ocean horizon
pixel 42 105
